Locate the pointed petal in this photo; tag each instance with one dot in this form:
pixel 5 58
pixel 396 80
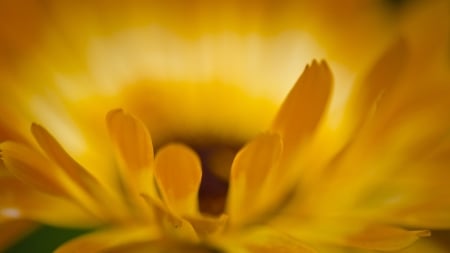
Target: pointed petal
pixel 96 193
pixel 385 238
pixel 33 168
pixel 178 174
pixel 56 152
pixel 303 108
pixel 104 240
pixel 252 168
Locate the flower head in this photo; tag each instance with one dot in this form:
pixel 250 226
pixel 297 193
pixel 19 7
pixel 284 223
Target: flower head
pixel 167 174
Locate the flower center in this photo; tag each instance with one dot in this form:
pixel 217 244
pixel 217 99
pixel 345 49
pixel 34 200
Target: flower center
pixel 216 157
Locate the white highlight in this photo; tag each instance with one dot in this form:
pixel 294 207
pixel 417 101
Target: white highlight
pixel 10 212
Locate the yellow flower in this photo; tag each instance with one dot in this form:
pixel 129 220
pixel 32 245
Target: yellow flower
pixel 168 173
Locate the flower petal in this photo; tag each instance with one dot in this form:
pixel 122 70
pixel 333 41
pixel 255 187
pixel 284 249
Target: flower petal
pixel 385 238
pixel 263 239
pixel 132 140
pixel 206 226
pixel 96 194
pixel 250 179
pixel 103 240
pixel 20 201
pixel 425 199
pixel 345 230
pixel 298 121
pixel 178 174
pixel 360 107
pixel 185 228
pixel 303 108
pixel 33 168
pixel 134 152
pixel 383 75
pixel 173 225
pixel 55 152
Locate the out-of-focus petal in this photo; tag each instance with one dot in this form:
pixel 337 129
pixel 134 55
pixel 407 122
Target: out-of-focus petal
pixel 347 231
pixel 95 191
pixel 160 247
pixel 362 101
pixel 20 201
pixel 33 168
pixel 382 77
pixel 420 246
pixel 419 198
pixel 252 175
pixel 425 24
pixel 264 239
pixel 57 154
pixel 384 238
pixel 105 239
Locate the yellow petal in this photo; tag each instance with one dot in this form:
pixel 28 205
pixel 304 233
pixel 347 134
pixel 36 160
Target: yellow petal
pixel 394 145
pixel 344 230
pixel 103 240
pixel 132 140
pixel 206 226
pixel 34 169
pixel 263 239
pixel 134 152
pixel 96 194
pixel 364 98
pixel 20 201
pixel 303 108
pixel 425 187
pixel 178 173
pixel 251 172
pixel 424 245
pixel 173 225
pixel 55 152
pixel 187 228
pixel 385 238
pixel 383 76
